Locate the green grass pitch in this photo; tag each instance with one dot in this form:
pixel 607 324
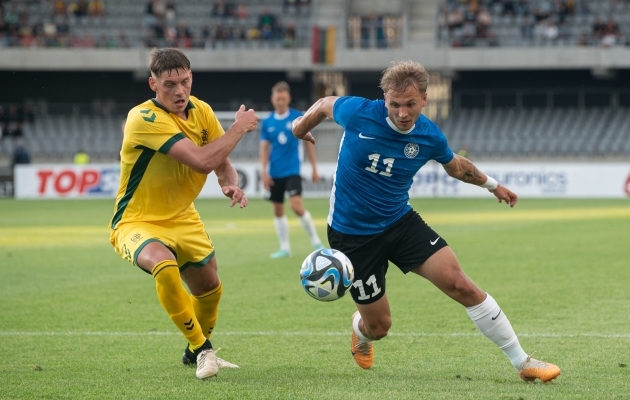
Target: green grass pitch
pixel 78 322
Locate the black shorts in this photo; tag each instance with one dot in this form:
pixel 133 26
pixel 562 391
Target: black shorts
pixel 408 243
pixel 291 184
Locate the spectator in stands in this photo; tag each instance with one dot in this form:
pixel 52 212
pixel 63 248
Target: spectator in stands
pixel 267 24
pixel 153 13
pixel 253 33
pixel 62 26
pixel 463 151
pixel 599 28
pixel 170 14
pixel 242 11
pixel 11 16
pixel 60 7
pixel 289 35
pixel 454 19
pixel 484 20
pixel 508 7
pixel 611 33
pixel 96 8
pixel 158 9
pixel 551 30
pixel 522 8
pixel 79 8
pixel 221 9
pixel 81 157
pixel 543 11
pixel 183 35
pixel 527 28
pixel 20 155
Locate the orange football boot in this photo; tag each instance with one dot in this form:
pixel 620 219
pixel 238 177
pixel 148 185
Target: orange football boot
pixel 533 368
pixel 362 351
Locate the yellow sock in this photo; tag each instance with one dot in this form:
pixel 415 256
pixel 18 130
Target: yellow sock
pixel 174 299
pixel 206 308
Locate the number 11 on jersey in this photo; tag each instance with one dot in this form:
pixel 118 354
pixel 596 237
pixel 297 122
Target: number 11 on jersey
pixel 389 162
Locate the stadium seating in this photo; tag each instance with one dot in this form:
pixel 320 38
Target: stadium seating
pixel 487 134
pixel 126 23
pixel 540 133
pixel 534 23
pixel 57 138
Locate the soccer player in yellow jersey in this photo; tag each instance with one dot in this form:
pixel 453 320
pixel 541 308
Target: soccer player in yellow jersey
pixel 171 143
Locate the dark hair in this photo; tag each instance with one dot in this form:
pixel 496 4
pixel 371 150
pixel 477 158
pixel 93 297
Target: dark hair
pixel 167 59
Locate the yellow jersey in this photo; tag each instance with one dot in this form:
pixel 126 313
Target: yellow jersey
pixel 153 186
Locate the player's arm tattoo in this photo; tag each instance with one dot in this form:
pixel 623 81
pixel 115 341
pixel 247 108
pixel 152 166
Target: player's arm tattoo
pixel 464 170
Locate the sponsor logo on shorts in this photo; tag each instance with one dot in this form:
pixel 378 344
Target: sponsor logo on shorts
pixel 136 237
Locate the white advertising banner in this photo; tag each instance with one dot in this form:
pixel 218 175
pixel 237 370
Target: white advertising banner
pixel 576 180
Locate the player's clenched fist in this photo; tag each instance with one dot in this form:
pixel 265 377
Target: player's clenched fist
pixel 247 118
pixel 295 128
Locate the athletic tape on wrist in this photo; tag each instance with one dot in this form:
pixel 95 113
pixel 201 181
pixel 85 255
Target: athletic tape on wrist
pixel 490 184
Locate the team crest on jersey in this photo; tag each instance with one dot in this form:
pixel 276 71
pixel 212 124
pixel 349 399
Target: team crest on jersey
pixel 289 126
pixel 411 150
pixel 204 137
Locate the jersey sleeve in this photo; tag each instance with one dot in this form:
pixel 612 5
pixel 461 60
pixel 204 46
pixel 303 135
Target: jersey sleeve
pixel 150 129
pixel 345 107
pixel 215 127
pixel 443 153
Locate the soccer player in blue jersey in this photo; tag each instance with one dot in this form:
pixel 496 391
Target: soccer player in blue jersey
pixel 280 155
pixel 384 145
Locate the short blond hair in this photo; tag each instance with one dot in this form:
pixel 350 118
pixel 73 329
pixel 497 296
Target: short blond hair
pixel 402 74
pixel 281 86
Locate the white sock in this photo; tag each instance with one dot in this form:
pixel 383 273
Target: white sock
pixel 493 323
pixel 309 226
pixel 355 328
pixel 282 230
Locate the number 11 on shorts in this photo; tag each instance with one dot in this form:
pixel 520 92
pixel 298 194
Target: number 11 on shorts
pixel 371 281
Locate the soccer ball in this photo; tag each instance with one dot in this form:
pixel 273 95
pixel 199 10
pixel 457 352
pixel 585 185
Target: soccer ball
pixel 326 274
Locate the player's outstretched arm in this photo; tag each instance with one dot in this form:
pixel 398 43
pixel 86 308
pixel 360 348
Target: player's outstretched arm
pixel 463 169
pixel 228 180
pixel 207 158
pixel 319 111
pixel 310 150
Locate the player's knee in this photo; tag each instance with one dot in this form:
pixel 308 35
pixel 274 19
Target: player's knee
pixel 298 209
pixel 378 329
pixel 463 288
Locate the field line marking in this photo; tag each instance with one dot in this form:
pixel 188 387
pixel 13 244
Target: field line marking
pixel 289 333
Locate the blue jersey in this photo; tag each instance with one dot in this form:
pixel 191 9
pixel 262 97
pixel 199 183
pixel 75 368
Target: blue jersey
pixel 376 166
pixel 286 150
